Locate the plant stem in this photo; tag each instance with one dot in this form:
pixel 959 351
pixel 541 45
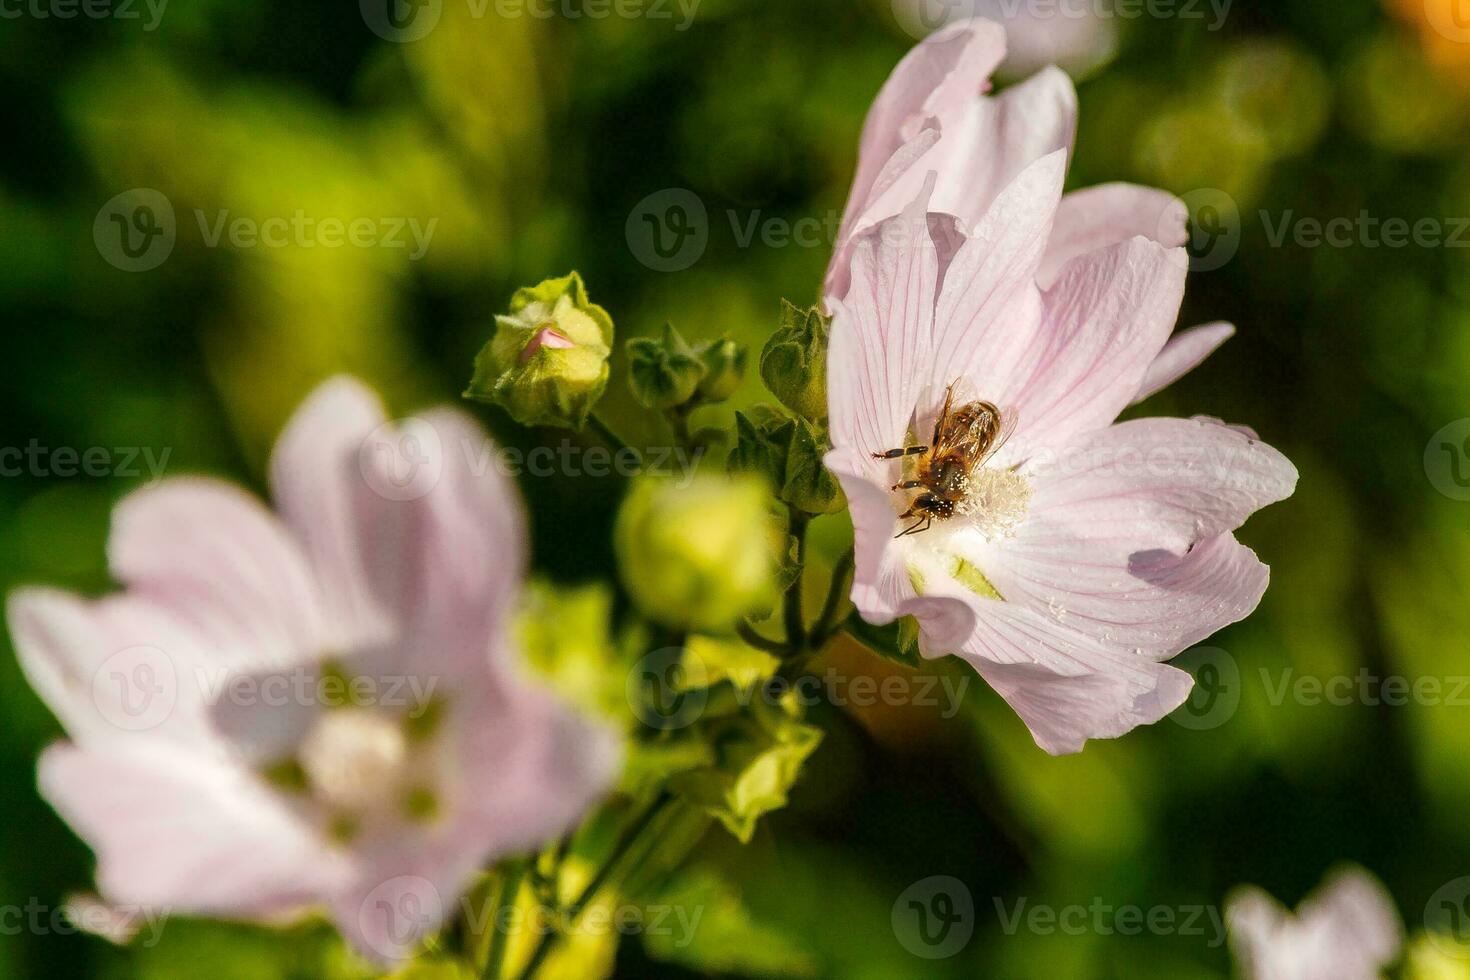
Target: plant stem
pixel 607 435
pixel 748 633
pixel 625 844
pixel 795 628
pixel 506 893
pixel 827 623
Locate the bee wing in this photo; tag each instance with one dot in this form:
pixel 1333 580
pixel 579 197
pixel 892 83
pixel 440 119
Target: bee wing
pixel 1008 418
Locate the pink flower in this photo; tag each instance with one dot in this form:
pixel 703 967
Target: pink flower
pixel 1083 552
pixel 1347 930
pixel 933 115
pixel 320 709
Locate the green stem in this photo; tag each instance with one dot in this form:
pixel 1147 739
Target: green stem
pixel 607 435
pixel 828 622
pixel 795 628
pixel 748 633
pixel 506 893
pixel 625 844
pixel 679 421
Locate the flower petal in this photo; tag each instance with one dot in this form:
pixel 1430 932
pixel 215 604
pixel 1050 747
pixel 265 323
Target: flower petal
pixel 937 80
pixel 1066 688
pixel 1184 352
pixel 318 487
pixel 446 561
pixel 221 562
pixel 1097 217
pixel 881 334
pixel 1105 321
pixel 989 309
pixel 178 831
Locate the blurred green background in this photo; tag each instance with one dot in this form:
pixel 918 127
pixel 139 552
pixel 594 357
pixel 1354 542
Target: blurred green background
pixel 530 142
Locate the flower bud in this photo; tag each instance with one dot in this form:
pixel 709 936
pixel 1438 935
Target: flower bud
pixel 547 363
pixel 794 361
pixel 664 373
pixel 695 556
pixel 724 364
pixel 788 453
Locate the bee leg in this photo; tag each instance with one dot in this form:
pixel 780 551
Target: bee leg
pixel 898 453
pixel 919 526
pixel 908 485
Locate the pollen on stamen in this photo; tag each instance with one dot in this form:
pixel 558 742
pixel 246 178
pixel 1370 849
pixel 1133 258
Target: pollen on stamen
pixel 996 502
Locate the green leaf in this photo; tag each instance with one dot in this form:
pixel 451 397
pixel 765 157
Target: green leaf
pixel 788 453
pixel 760 755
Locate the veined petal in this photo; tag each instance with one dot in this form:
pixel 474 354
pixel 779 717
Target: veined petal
pixel 1184 352
pixel 1097 217
pixel 936 81
pixel 882 333
pixel 1105 321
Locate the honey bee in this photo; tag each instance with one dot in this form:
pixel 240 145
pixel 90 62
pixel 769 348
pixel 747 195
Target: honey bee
pixel 964 438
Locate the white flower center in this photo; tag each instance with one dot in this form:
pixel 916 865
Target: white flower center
pixel 353 758
pixel 996 502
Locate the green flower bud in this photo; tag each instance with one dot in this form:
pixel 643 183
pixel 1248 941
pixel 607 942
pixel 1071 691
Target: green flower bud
pixel 794 361
pixel 663 373
pixel 547 363
pixel 695 556
pixel 788 453
pixel 724 364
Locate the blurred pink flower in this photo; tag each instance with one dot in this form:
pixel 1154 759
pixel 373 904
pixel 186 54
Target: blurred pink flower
pixel 316 710
pixel 1083 553
pixel 1347 930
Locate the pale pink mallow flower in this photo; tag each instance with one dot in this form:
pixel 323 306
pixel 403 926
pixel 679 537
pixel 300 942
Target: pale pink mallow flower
pixel 1082 553
pixel 321 710
pixel 1347 930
